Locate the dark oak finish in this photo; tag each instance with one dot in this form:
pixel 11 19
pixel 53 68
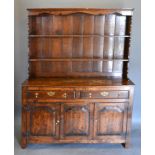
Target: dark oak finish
pixel 43 119
pixel 77 42
pixel 110 119
pixel 78 90
pixel 76 121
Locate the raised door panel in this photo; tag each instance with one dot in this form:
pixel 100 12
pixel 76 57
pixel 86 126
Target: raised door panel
pixel 76 121
pixel 43 122
pixel 110 120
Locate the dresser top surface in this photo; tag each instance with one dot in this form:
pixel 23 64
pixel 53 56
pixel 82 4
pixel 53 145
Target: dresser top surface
pixel 37 9
pixel 63 11
pixel 73 82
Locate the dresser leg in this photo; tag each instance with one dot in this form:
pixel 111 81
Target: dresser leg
pixel 23 142
pixel 126 145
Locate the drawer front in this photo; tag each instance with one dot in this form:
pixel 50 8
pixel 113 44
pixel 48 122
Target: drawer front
pixel 104 94
pixel 58 94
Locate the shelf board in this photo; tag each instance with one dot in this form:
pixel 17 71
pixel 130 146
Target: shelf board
pixel 77 59
pixel 93 35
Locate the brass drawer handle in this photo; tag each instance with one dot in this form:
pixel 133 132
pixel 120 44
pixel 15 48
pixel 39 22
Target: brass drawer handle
pixel 64 95
pixel 51 93
pixel 104 93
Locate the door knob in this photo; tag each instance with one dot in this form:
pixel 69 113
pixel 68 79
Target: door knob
pixel 36 95
pixel 57 122
pixel 90 95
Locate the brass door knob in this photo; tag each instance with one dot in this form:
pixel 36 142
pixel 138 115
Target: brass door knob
pixel 36 95
pixel 90 95
pixel 57 122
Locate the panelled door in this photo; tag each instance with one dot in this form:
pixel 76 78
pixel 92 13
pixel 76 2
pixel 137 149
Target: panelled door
pixel 43 122
pixel 110 120
pixel 77 121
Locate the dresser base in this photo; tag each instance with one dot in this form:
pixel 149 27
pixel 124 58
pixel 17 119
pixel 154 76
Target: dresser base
pixel 76 111
pixel 24 145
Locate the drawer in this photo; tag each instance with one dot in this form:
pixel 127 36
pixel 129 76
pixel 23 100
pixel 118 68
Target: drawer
pixel 58 94
pixel 104 94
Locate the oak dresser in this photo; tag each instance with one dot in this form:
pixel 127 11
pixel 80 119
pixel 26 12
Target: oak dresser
pixel 78 90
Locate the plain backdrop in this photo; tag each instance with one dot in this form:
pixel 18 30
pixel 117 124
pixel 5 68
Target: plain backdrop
pixel 21 41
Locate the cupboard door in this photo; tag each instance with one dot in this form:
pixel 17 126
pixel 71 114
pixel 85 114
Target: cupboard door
pixel 110 119
pixel 76 121
pixel 43 122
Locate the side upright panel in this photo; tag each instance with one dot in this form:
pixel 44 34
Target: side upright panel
pixel 24 122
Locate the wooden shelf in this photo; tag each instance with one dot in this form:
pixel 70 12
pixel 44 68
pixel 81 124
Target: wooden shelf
pixel 33 36
pixel 78 44
pixel 77 59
